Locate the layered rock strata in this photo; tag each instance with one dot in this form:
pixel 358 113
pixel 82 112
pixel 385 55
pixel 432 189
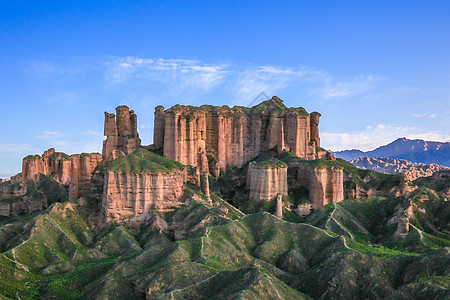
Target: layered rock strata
pixel 324 183
pixel 55 163
pixel 267 179
pixel 82 167
pixel 128 195
pixel 25 204
pixel 213 137
pixel 75 171
pixel 142 182
pixel 9 189
pixel 15 200
pixel 121 133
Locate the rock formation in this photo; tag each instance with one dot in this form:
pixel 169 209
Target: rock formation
pixel 51 162
pixel 74 171
pixel 204 182
pixel 9 189
pixel 25 204
pixel 213 137
pixel 142 182
pixel 324 183
pixel 121 132
pixel 82 167
pixel 128 195
pixel 267 179
pixel 402 215
pixel 279 208
pixel 15 200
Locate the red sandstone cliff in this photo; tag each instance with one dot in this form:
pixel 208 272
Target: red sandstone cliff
pixel 213 137
pixel 121 132
pixel 74 171
pixel 325 184
pixel 142 182
pixel 267 179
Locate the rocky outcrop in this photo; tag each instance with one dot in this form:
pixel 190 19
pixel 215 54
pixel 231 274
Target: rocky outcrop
pixel 130 195
pixel 82 167
pixel 212 138
pixel 74 171
pixel 267 179
pixel 9 189
pixel 52 163
pixel 141 182
pixel 279 207
pixel 402 215
pixel 15 200
pixel 411 170
pixel 121 132
pixel 24 204
pixel 324 183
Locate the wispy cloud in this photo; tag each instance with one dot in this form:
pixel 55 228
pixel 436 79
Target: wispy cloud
pixel 181 73
pixel 50 135
pixel 15 148
pixel 375 136
pixel 267 79
pixel 424 115
pixel 345 87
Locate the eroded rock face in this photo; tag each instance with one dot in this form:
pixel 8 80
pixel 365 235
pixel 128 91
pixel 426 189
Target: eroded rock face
pixel 325 184
pixel 9 189
pixel 25 204
pixel 74 171
pixel 82 167
pixel 132 195
pixel 142 182
pixel 233 136
pixel 267 179
pixel 15 200
pixel 50 163
pixel 121 133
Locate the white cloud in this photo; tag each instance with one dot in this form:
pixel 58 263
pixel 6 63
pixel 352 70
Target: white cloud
pixel 179 73
pixel 333 88
pixel 50 135
pixel 424 115
pixel 375 136
pixel 15 148
pixel 265 79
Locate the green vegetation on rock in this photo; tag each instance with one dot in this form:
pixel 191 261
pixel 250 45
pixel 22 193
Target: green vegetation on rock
pixel 145 162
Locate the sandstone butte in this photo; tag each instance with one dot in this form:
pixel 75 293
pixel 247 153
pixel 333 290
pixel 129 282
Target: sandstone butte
pixel 196 142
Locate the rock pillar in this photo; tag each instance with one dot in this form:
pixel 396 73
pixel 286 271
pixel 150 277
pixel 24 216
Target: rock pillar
pixel 279 208
pixel 121 132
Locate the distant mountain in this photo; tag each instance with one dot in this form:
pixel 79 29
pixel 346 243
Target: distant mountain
pixel 411 170
pixel 417 151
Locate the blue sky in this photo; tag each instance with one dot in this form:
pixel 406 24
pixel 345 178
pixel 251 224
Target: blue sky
pixel 375 70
